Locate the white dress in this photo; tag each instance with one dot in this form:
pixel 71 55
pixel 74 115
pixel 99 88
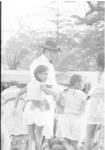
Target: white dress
pixel 69 122
pixel 34 116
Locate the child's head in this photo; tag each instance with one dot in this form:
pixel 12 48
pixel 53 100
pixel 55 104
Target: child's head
pixel 100 61
pixel 75 81
pixel 41 73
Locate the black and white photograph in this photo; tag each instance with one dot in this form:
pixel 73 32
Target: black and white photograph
pixel 52 75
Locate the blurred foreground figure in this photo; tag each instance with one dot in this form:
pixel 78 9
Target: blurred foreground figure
pixel 11 125
pixel 95 110
pixel 5 141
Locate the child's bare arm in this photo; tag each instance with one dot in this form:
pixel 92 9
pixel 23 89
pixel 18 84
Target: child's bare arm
pixel 48 91
pixel 18 96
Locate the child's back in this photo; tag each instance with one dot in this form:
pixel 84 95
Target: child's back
pixel 74 100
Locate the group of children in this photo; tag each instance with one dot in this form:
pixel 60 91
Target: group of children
pixel 75 114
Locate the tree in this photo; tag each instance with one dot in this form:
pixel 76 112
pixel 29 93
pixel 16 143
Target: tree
pixel 91 41
pixel 14 53
pixel 95 14
pixel 56 18
pixel 17 48
pixel 59 21
pixel 23 48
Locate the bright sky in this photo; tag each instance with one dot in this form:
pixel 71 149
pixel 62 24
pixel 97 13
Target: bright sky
pixel 35 14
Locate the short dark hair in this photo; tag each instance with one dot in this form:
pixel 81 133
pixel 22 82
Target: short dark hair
pixel 74 78
pixel 100 60
pixel 40 69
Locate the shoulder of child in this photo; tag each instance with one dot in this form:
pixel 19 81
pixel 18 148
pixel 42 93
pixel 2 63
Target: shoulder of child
pixel 67 92
pixel 32 83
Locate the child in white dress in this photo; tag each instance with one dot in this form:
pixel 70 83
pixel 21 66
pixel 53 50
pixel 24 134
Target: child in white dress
pixel 35 114
pixel 69 123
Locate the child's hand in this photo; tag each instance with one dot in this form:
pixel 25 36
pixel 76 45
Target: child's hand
pixel 48 91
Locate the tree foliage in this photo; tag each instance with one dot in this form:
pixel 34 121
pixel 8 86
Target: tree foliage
pixel 19 46
pixel 95 14
pixel 91 40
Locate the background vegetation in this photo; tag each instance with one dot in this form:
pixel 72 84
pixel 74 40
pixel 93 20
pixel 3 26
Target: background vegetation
pixel 79 42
